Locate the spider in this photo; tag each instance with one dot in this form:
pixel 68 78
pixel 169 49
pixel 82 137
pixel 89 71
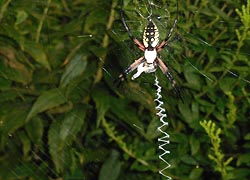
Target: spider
pixel 149 62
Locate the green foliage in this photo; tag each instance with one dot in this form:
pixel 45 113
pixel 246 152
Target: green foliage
pixel 244 31
pixel 231 115
pixel 61 117
pixel 111 167
pixel 119 140
pixel 217 156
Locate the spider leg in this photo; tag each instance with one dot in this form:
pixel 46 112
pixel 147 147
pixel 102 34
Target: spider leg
pixel 165 41
pixel 166 71
pixel 136 41
pixel 129 69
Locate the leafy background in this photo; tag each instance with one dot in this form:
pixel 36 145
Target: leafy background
pixel 61 116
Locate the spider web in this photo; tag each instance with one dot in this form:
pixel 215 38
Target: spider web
pixel 186 53
pixel 188 50
pixel 181 45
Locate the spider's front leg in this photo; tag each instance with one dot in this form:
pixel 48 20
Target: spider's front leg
pixel 131 68
pixel 166 71
pixel 134 39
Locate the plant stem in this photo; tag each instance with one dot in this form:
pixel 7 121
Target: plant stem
pixel 105 42
pixel 38 32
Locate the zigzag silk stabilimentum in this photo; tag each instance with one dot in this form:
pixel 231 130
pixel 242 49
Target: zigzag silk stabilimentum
pixel 164 137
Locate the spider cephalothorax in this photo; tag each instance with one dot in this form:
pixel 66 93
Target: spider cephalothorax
pixel 149 62
pixel 150 35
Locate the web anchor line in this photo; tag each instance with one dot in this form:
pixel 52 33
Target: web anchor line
pixel 164 139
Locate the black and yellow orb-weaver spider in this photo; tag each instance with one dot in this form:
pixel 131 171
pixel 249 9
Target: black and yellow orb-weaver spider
pixel 151 46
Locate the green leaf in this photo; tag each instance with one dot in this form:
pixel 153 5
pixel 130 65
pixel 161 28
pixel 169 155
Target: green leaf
pixel 151 129
pixel 136 93
pixel 189 160
pixel 12 117
pixel 125 112
pixel 45 101
pixel 95 19
pixel 8 95
pixel 196 173
pixel 75 68
pixel 98 51
pixel 190 113
pixel 101 98
pixel 247 137
pixel 193 79
pixel 62 133
pixel 24 169
pixel 26 145
pixel 239 173
pixel 227 84
pixel 111 168
pixel 243 159
pixel 12 69
pixel 56 146
pixel 36 51
pixel 72 124
pixel 20 17
pixel 34 129
pixel 4 83
pixel 194 144
pixel 76 174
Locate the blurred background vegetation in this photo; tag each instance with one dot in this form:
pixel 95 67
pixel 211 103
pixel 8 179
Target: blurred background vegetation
pixel 61 116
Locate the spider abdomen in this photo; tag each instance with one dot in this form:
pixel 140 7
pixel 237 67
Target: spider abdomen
pixel 151 35
pixel 150 55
